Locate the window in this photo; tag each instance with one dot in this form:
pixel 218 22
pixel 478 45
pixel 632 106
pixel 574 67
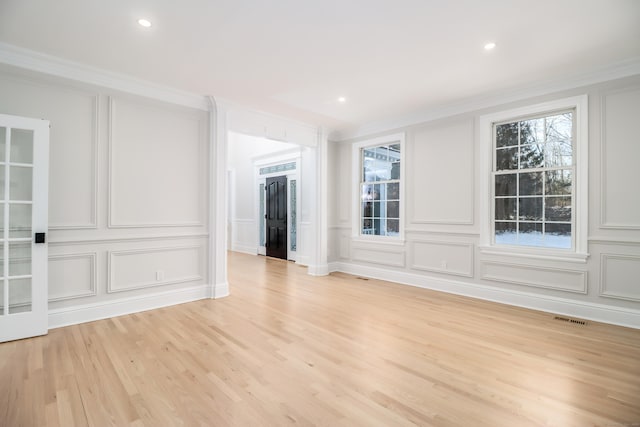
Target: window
pixel 537 186
pixel 533 181
pixel 379 186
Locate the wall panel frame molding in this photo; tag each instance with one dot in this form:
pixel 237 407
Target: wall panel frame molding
pixel 620 111
pixel 198 195
pixel 378 255
pixel 615 273
pixel 429 161
pixel 67 266
pixel 141 282
pixel 535 276
pixel 454 258
pixel 74 114
pixel 92 223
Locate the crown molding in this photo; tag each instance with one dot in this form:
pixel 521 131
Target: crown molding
pixel 627 68
pixel 48 64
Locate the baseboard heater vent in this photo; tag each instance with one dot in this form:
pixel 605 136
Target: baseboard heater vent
pixel 568 320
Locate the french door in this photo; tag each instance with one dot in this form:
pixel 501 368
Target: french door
pixel 24 169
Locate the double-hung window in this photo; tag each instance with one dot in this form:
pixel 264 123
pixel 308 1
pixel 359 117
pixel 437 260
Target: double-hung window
pixel 379 185
pixel 537 181
pixel 533 181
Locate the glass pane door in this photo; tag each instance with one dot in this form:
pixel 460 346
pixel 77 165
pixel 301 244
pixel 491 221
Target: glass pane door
pixel 16 182
pixel 23 290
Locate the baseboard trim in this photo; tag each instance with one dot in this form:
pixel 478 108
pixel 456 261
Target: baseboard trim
pixel 245 249
pixel 581 309
pixel 303 260
pixel 103 310
pixel 220 290
pixel 318 270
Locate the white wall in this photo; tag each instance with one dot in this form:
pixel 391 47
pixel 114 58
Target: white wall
pixel 241 154
pixel 442 216
pixel 128 209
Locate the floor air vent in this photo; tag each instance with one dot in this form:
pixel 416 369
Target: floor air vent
pixel 361 278
pixel 574 321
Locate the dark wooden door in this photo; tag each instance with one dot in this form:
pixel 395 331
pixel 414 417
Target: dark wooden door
pixel 276 213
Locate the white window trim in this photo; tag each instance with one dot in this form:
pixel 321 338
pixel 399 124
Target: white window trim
pixel 356 168
pixel 581 205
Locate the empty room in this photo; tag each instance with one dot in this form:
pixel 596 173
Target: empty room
pixel 320 213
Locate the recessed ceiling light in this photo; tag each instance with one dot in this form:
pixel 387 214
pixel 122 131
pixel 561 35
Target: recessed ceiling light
pixel 489 46
pixel 144 22
pixel 342 100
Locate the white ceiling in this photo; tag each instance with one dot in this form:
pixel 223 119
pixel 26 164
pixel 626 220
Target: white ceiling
pixel 296 57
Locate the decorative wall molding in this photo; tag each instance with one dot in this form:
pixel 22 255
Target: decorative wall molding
pixel 93 224
pixel 112 255
pixel 528 275
pixel 92 280
pixel 340 227
pixel 468 125
pixel 441 233
pixel 244 220
pixel 470 249
pixel 344 248
pixel 43 85
pixel 605 290
pixel 544 254
pixel 611 241
pixel 110 308
pixel 48 64
pixel 239 228
pixel 111 223
pixel 378 256
pixel 127 239
pixel 604 223
pixel 555 305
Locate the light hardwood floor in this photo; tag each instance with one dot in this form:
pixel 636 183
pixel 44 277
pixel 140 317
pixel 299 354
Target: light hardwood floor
pixel 289 349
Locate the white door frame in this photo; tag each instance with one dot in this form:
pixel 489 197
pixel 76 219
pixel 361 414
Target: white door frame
pixel 218 134
pixel 287 156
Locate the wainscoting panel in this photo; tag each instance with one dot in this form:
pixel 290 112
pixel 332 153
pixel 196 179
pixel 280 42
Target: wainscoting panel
pixel 442 257
pixel 303 255
pixel 344 246
pixel 145 268
pixel 536 276
pixel 157 169
pixel 72 276
pixel 342 172
pixel 440 173
pixel 378 255
pixel 620 276
pixel 73 114
pixel 244 236
pixel 620 199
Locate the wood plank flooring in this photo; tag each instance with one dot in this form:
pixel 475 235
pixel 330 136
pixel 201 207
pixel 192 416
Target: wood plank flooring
pixel 289 349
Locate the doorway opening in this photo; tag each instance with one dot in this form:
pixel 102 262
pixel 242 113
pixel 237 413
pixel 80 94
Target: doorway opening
pixel 264 185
